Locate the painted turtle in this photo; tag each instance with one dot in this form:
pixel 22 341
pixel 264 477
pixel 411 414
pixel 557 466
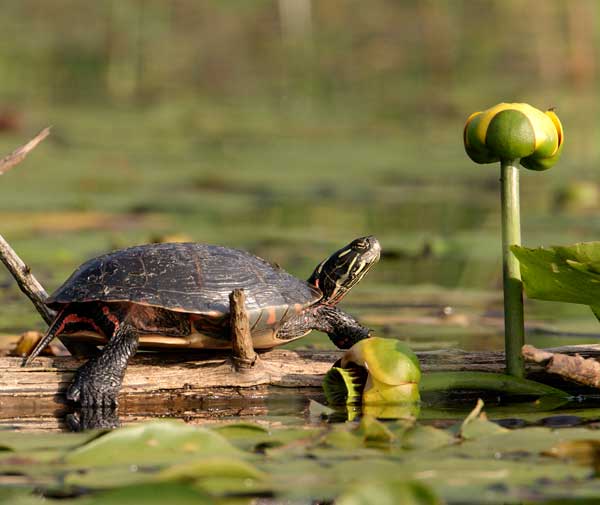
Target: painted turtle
pixel 176 295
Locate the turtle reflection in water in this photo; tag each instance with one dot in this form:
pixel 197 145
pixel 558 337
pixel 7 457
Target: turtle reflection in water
pixel 177 296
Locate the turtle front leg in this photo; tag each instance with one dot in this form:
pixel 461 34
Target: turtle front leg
pixel 97 383
pixel 343 330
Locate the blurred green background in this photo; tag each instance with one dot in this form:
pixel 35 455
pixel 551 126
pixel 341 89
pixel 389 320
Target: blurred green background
pixel 290 127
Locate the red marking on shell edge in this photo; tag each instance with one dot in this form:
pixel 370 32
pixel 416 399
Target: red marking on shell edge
pixel 74 318
pixel 112 318
pixel 272 319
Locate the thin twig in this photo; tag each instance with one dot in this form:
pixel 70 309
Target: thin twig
pixel 19 270
pixel 18 155
pixel 25 279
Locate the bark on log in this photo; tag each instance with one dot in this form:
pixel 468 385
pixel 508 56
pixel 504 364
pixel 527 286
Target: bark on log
pixel 203 377
pixel 576 368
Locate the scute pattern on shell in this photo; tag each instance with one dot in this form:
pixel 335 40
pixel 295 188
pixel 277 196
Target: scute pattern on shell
pixel 185 277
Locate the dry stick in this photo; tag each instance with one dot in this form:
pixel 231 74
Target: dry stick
pixel 18 155
pixel 241 339
pixel 573 368
pixel 19 270
pixel 26 281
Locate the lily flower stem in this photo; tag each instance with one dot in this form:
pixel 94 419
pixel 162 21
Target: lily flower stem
pixel 514 328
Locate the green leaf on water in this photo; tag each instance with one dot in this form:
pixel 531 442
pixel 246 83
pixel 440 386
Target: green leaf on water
pixel 389 493
pixel 476 424
pixel 150 494
pixel 372 430
pixel 151 443
pixel 191 471
pixel 20 496
pixel 426 438
pixel 237 430
pixel 339 437
pixel 24 441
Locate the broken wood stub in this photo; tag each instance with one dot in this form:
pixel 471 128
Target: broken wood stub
pixel 244 356
pixel 576 368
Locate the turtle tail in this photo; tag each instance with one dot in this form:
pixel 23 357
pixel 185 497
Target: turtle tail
pixel 47 338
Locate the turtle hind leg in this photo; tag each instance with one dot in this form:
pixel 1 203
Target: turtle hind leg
pixel 97 383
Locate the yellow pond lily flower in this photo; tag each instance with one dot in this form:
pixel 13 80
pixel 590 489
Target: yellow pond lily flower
pixel 374 371
pixel 510 131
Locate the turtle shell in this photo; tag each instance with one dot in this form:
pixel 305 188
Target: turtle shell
pixel 188 277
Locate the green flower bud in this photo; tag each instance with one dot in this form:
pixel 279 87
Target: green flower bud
pixel 374 371
pixel 510 131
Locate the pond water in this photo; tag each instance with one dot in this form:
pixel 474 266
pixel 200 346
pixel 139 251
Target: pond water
pixel 293 199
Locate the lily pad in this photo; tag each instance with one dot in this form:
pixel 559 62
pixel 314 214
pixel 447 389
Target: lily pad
pixel 390 493
pixel 151 443
pixel 23 441
pixel 150 494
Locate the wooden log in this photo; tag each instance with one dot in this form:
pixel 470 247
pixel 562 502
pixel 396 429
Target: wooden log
pixel 203 388
pixel 242 349
pixel 208 375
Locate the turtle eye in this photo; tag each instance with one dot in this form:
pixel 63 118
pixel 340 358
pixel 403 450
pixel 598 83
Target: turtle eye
pixel 360 245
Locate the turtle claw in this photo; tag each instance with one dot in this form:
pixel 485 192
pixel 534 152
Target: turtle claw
pixel 86 418
pixel 93 389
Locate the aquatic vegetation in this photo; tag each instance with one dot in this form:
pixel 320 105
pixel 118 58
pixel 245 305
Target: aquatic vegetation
pixel 374 371
pixel 473 461
pixel 562 273
pixel 513 133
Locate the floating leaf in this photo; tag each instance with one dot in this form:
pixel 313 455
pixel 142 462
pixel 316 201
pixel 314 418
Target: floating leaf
pixel 476 424
pixel 150 494
pixel 210 467
pixel 372 430
pixel 486 381
pixel 389 493
pixel 24 441
pixel 151 443
pixel 426 438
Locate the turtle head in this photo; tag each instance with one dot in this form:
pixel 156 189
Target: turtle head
pixel 344 268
